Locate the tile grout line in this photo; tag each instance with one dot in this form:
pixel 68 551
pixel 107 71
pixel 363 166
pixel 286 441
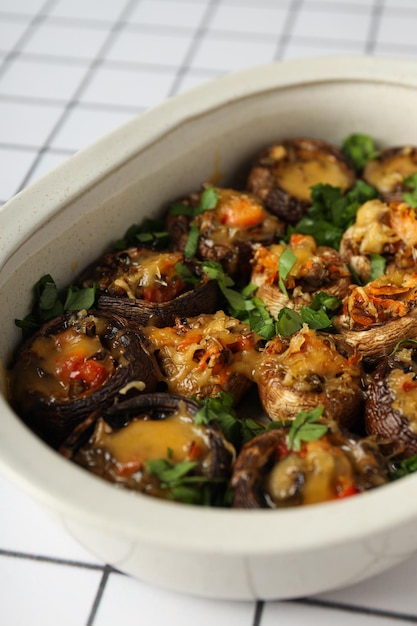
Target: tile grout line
pixel 99 595
pixel 34 23
pixel 13 554
pixel 94 63
pixel 348 608
pixel 287 28
pixel 194 45
pixel 376 15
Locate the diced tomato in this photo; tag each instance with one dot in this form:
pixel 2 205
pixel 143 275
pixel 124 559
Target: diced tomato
pixel 93 373
pixel 244 342
pixel 409 385
pixel 195 451
pixel 242 213
pixel 347 490
pixel 128 468
pixel 77 367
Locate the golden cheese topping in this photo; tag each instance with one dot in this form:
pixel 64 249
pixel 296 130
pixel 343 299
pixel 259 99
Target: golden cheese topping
pixel 297 177
pixel 307 354
pixel 143 440
pixel 380 227
pixel 388 173
pixel 403 388
pixel 151 275
pixel 266 260
pixel 388 297
pixel 320 472
pixel 63 365
pixel 204 352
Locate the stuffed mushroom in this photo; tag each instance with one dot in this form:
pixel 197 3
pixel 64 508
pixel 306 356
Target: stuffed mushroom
pixel 283 174
pixel 152 444
pixel 224 230
pixel 272 472
pixel 74 364
pixel 308 370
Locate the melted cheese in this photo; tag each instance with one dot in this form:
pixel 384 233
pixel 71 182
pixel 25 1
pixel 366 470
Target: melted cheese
pixel 148 269
pixel 403 388
pixel 145 439
pixel 297 178
pixel 388 174
pixel 51 362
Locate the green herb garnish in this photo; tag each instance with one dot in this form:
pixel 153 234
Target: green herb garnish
pixel 288 322
pixel 150 233
pixel 359 149
pixel 208 202
pixel 332 212
pixel 404 467
pixel 191 245
pixel 305 427
pixel 319 314
pixel 411 196
pixel 220 409
pixel 49 303
pixel 401 344
pixel 184 486
pixel 286 263
pixel 378 264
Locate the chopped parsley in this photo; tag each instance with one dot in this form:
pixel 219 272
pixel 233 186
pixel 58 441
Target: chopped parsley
pixel 411 196
pixel 332 212
pixel 404 467
pixel 181 484
pixel 286 262
pixel 359 149
pixel 208 202
pixel 378 264
pixel 306 427
pixel 220 409
pixel 49 303
pixel 150 234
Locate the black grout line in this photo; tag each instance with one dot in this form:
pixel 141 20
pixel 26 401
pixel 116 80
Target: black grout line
pixel 52 102
pixel 100 591
pixel 195 43
pixel 50 559
pixel 376 16
pixel 285 36
pixel 96 62
pixel 259 607
pixel 359 610
pixel 34 23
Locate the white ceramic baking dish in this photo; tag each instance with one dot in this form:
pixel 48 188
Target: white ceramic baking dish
pixel 64 220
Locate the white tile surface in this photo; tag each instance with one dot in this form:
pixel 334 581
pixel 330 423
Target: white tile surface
pixel 10 33
pixel 94 10
pixel 50 38
pixel 160 47
pixel 35 122
pixel 14 163
pixel 221 52
pixel 182 14
pixel 30 78
pixel 84 125
pixel 36 592
pixel 21 7
pixel 336 24
pixel 396 28
pixel 147 47
pixel 125 600
pixel 137 88
pixel 296 614
pixel 26 528
pixel 252 19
